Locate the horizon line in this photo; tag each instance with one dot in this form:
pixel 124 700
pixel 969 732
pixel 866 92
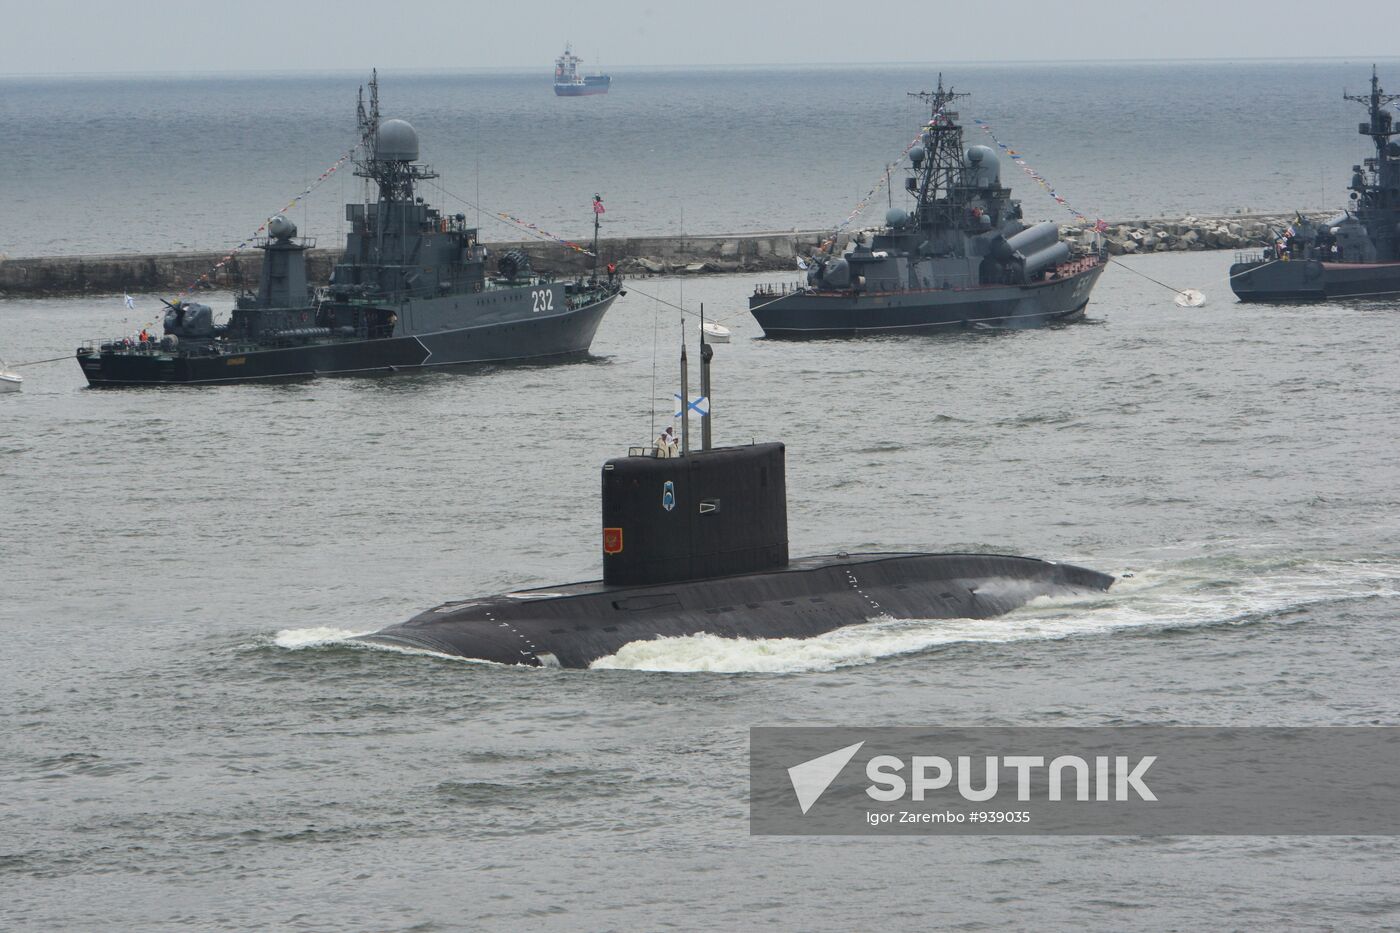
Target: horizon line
pixel 543 70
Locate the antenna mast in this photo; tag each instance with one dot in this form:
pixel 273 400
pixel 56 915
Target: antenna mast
pixel 942 169
pixel 707 353
pixel 685 396
pixel 597 218
pixel 368 120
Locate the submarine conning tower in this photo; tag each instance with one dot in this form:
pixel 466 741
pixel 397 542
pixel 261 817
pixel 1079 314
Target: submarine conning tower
pixel 672 515
pixel 708 513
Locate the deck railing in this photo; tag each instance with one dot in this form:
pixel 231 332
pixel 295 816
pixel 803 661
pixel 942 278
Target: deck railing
pixel 778 289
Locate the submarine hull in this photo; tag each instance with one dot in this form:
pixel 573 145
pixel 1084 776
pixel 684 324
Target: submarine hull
pixel 576 624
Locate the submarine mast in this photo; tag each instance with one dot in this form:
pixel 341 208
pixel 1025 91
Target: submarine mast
pixel 707 353
pixel 685 397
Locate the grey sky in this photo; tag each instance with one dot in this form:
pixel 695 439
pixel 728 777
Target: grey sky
pixel 66 36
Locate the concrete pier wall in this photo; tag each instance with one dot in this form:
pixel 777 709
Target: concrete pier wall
pixel 748 252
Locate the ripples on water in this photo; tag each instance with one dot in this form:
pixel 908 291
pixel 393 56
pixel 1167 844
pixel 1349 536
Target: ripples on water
pixel 190 740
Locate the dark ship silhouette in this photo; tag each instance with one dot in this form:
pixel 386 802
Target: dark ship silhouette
pixel 411 290
pixel 697 543
pixel 962 257
pixel 1355 254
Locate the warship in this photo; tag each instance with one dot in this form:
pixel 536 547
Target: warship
pixel 961 257
pixel 411 290
pixel 1356 253
pixel 569 83
pixel 696 541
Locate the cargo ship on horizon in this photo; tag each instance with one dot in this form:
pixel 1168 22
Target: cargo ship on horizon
pixel 569 83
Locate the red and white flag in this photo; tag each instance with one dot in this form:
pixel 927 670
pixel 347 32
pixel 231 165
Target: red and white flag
pixel 598 205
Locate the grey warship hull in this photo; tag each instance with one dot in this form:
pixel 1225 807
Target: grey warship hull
pixel 576 624
pixel 1313 280
pixel 817 313
pixel 535 339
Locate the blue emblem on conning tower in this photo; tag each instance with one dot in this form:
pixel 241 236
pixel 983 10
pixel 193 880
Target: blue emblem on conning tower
pixel 668 496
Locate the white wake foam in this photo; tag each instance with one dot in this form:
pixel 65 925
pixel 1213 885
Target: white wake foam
pixel 322 636
pixel 315 637
pixel 1162 599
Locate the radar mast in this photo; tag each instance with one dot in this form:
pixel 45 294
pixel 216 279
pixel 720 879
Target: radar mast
pixel 940 173
pixel 391 150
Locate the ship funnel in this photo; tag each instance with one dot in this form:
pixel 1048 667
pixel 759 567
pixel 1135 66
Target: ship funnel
pixel 282 280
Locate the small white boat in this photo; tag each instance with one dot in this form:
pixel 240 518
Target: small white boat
pixel 10 381
pixel 714 333
pixel 1190 298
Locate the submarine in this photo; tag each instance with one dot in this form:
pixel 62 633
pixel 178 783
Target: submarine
pixel 696 541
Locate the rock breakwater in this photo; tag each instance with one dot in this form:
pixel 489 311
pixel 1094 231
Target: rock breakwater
pixel 1239 231
pixel 667 255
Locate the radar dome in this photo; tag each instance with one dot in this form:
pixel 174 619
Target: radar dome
pixel 896 217
pixel 985 166
pixel 396 141
pixel 916 155
pixel 979 154
pixel 280 228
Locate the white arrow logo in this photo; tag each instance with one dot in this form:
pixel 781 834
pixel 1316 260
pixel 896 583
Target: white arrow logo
pixel 811 778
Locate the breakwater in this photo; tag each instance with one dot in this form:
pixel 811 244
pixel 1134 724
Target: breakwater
pixel 747 252
pixel 1237 231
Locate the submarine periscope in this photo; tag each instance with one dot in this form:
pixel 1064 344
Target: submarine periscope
pixel 696 541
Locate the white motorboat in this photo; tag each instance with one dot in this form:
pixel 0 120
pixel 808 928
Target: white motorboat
pixel 715 333
pixel 10 381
